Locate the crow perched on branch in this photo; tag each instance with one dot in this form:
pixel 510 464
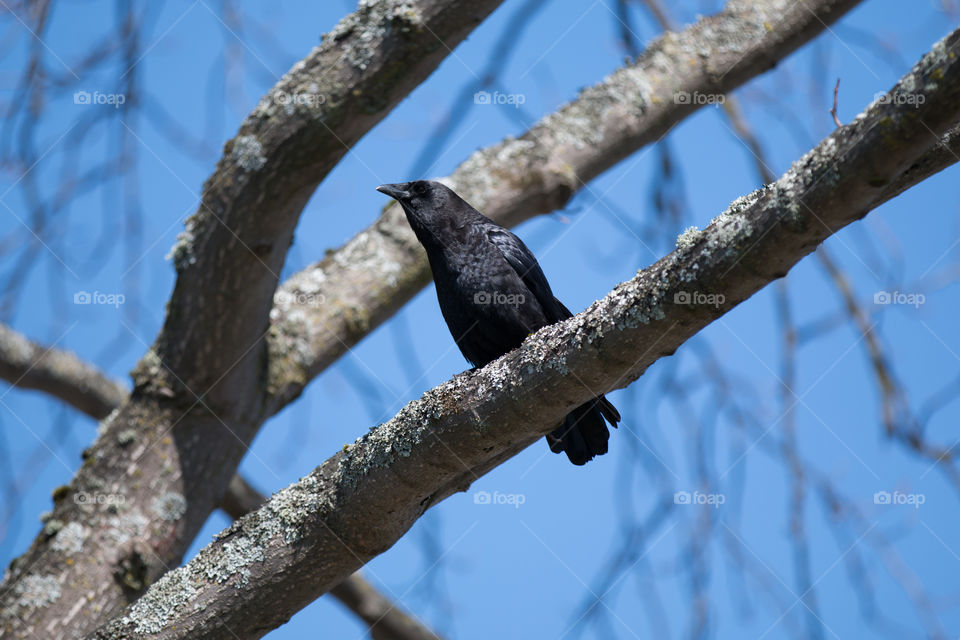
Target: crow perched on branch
pixel 493 294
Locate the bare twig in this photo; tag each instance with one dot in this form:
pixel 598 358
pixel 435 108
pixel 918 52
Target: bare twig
pixel 833 110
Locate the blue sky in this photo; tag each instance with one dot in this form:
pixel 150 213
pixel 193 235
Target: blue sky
pixel 475 570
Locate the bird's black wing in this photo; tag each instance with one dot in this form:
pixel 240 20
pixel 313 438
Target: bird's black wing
pixel 522 260
pixel 583 435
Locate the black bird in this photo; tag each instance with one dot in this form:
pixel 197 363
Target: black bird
pixel 493 294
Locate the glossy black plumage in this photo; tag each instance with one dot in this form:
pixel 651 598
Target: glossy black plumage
pixel 493 294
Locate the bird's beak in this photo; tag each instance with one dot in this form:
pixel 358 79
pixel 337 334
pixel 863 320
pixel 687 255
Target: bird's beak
pixel 396 191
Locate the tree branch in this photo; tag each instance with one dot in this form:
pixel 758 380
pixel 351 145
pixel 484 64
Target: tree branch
pixel 329 307
pixel 183 427
pixel 199 393
pixel 384 618
pixel 357 504
pixel 66 377
pixel 59 373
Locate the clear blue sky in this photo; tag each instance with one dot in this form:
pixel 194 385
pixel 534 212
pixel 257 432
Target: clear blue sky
pixel 474 570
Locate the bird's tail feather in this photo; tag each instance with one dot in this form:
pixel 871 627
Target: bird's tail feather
pixel 584 433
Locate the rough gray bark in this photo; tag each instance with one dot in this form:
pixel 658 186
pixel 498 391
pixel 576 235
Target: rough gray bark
pixel 383 617
pixel 186 444
pixel 61 374
pixel 313 534
pixel 367 280
pixel 199 393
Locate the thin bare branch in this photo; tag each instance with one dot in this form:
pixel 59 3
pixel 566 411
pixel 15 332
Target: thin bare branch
pixel 61 374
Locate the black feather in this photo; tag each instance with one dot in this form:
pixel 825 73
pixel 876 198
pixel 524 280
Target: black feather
pixel 493 294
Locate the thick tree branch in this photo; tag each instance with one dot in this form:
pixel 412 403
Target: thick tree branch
pixel 200 393
pixel 66 377
pixel 385 620
pixel 316 532
pixel 190 444
pixel 329 307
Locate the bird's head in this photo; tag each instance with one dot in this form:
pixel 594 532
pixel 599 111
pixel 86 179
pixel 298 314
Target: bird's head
pixel 429 205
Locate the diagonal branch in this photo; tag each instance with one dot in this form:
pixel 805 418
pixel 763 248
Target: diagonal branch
pixel 199 393
pixel 181 428
pixel 357 504
pixel 66 377
pixel 59 373
pixel 384 618
pixel 329 307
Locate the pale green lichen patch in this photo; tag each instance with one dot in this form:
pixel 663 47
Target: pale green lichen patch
pixel 382 445
pixel 728 233
pixel 232 554
pixel 32 592
pixel 579 124
pixel 742 204
pixel 121 528
pixel 70 539
pixel 170 506
pixel 248 153
pixel 365 254
pixel 182 252
pixel 783 201
pixel 158 606
pixel 233 558
pixel 52 526
pixel 359 35
pixel 689 237
pixel 737 29
pixel 636 304
pixel 386 443
pixel 126 436
pixel 104 425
